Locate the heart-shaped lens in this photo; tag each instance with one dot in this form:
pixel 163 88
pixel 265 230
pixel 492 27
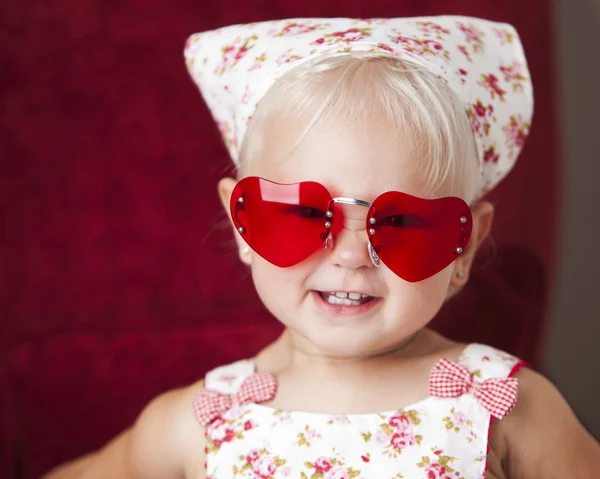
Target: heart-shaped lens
pixel 284 224
pixel 416 237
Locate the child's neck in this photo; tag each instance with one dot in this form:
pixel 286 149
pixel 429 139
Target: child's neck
pixel 347 385
pixel 285 355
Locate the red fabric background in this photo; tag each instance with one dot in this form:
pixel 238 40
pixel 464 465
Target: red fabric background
pixel 117 280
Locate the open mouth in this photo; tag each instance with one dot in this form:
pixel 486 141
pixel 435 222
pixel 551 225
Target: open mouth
pixel 345 298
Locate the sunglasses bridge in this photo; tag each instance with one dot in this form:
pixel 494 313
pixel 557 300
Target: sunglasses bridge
pixel 352 201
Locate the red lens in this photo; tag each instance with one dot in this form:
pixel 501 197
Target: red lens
pixel 284 224
pixel 415 237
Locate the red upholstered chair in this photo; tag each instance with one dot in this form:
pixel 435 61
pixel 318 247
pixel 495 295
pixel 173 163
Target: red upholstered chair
pixel 117 280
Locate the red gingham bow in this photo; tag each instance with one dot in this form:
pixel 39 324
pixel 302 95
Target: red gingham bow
pixel 449 380
pixel 210 405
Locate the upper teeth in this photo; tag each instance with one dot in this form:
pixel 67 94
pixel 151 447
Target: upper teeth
pixel 346 299
pixel 344 294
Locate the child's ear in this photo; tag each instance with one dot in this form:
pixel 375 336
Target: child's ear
pixel 483 216
pixel 225 187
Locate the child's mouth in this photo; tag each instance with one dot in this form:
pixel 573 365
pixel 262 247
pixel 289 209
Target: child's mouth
pixel 345 298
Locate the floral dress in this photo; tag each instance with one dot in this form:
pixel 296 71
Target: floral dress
pixel 444 436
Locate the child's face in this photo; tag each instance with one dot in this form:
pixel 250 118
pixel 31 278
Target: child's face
pixel 358 162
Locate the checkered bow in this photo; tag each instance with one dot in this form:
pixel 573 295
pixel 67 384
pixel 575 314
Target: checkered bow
pixel 450 380
pixel 210 405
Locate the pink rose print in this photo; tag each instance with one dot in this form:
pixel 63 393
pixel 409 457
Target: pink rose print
pixel 473 36
pixel 232 54
pixel 217 423
pixel 403 440
pixel 352 34
pixel 219 432
pixel 287 57
pixel 322 465
pixel 217 428
pixel 465 52
pixel 457 420
pixel 439 468
pixel 514 74
pixel 422 46
pixel 264 466
pixel 437 471
pixel 305 438
pixel 282 416
pixel 227 436
pixel 400 422
pixel 516 131
pixel 253 456
pixel 513 71
pixel 338 419
pixel 398 433
pixel 258 62
pixel 338 473
pixel 504 35
pixel 490 83
pixel 461 418
pixel 294 28
pixel 481 117
pixel 329 468
pixel 347 36
pixel 404 435
pixel 431 28
pixel 259 464
pixel 383 46
pixel 286 472
pixel 230 427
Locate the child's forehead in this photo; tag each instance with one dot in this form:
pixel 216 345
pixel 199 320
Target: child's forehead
pixel 354 183
pixel 358 159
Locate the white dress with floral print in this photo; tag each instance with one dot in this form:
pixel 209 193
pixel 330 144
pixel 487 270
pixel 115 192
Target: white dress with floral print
pixel 436 438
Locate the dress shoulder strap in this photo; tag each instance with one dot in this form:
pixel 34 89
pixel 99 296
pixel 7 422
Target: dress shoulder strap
pixel 486 362
pixel 228 379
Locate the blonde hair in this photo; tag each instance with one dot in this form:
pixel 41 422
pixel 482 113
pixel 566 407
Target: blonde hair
pixel 342 88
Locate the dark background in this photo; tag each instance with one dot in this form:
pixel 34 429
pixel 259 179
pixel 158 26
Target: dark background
pixel 117 277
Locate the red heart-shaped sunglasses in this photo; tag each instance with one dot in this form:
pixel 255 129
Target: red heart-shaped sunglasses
pixel 286 223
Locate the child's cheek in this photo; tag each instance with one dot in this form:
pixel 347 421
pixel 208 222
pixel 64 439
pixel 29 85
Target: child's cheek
pixel 418 302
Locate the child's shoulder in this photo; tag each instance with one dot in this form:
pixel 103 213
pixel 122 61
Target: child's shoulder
pixel 167 436
pixel 541 436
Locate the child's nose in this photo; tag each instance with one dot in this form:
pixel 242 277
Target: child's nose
pixel 350 249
